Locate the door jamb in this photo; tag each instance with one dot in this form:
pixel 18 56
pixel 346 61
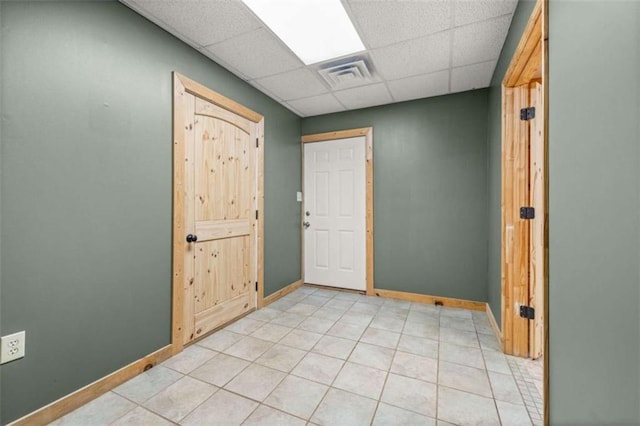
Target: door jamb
pixel 535 42
pixel 181 86
pixel 367 132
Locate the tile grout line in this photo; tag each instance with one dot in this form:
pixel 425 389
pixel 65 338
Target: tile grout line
pixel 396 311
pixel 438 360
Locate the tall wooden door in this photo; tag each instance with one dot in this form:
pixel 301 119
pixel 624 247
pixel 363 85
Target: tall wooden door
pixel 220 199
pixel 515 230
pixel 335 213
pixel 524 232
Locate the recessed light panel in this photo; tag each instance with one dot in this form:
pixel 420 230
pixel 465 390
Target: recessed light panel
pixel 315 30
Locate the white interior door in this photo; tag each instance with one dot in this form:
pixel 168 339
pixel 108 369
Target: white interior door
pixel 335 213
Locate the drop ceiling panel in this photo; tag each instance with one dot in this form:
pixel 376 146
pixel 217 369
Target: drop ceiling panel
pixel 479 42
pixel 315 105
pixel 420 56
pixel 420 86
pixel 255 54
pixel 365 96
pixel 467 12
pixel 199 21
pixel 300 83
pixel 471 77
pixel 415 49
pixel 385 23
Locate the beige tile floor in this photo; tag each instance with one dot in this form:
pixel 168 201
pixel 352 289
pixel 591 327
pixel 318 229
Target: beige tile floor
pixel 325 357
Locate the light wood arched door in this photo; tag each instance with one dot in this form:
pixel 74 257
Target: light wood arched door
pixel 217 232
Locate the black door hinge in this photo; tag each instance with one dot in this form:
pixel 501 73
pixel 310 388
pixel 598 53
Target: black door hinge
pixel 527 113
pixel 257 142
pixel 527 312
pixel 527 213
pixel 256 214
pixel 256 285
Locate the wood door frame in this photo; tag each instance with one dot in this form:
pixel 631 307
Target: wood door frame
pixel 367 132
pixel 181 86
pixel 530 62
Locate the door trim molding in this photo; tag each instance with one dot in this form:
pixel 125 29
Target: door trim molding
pixel 367 132
pixel 181 86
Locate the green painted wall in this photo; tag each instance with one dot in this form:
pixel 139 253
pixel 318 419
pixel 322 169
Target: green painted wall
pixel 494 155
pixel 1 124
pixel 594 199
pixel 430 192
pixel 86 190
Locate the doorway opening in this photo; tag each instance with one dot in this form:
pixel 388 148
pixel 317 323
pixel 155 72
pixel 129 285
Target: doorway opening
pixel 525 324
pixel 337 211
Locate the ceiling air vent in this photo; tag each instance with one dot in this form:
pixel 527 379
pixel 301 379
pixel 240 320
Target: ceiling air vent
pixel 349 72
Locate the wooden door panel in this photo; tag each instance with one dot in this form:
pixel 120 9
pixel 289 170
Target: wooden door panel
pixel 225 171
pixel 222 271
pixel 218 315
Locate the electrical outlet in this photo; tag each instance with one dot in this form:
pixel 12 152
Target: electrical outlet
pixel 299 196
pixel 12 347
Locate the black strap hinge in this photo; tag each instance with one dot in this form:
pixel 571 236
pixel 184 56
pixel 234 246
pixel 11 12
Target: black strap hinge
pixel 527 213
pixel 527 312
pixel 256 285
pixel 257 142
pixel 256 214
pixel 527 114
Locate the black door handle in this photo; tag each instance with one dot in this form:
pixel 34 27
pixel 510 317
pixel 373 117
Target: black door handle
pixel 192 238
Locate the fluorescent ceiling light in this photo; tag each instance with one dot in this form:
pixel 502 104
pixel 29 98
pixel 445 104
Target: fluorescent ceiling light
pixel 315 30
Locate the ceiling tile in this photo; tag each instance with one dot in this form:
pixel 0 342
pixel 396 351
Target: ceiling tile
pixel 364 96
pixel 421 86
pixel 467 12
pixel 316 105
pixel 203 22
pixel 476 76
pixel 419 56
pixel 479 42
pixel 300 83
pixel 417 49
pixel 255 54
pixel 384 23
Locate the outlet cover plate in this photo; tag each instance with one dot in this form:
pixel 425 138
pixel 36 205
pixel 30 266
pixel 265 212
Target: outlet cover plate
pixel 12 347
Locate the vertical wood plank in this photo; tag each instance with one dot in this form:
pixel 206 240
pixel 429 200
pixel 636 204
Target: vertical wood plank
pixel 507 217
pixel 260 193
pixel 189 250
pixel 537 200
pixel 183 130
pixel 521 229
pixel 369 210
